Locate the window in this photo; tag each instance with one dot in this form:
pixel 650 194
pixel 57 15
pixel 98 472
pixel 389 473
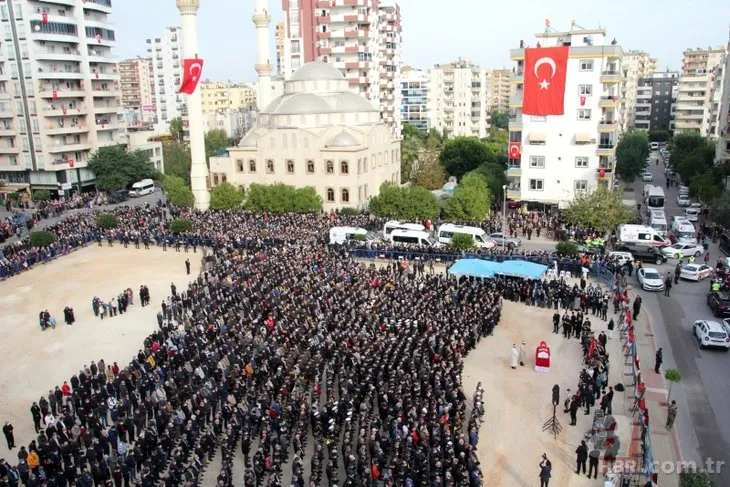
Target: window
pixel 329 167
pixel 581 185
pixel 537 162
pixel 536 185
pixel 310 167
pixel 239 165
pixel 586 65
pixel 584 114
pixel 581 162
pixel 345 195
pixel 290 166
pixel 330 195
pixel 344 167
pixel 585 90
pixel 251 166
pixel 269 166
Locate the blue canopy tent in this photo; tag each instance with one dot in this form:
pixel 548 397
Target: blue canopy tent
pixel 474 268
pixel 521 268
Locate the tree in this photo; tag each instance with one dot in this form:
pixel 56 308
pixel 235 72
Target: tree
pixel 601 209
pixel 177 160
pixel 225 197
pixel 691 155
pixel 180 225
pixel 659 136
pixel 282 198
pixel 720 211
pixel 494 175
pixel 706 186
pixel 631 154
pixel 306 200
pixel 499 119
pixel 116 168
pixel 177 128
pixel 471 200
pixel 41 238
pixel 414 203
pixel 463 154
pixel 41 195
pixel 461 242
pixel 693 477
pixel 673 377
pixel 106 221
pixel 410 149
pixel 429 172
pixel 178 192
pixel 215 141
pixel 566 248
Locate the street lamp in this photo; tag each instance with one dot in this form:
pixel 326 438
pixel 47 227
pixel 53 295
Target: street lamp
pixel 504 217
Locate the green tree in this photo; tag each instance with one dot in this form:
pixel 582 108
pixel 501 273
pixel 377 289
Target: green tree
pixel 602 209
pixel 176 128
pixel 177 160
pixel 115 168
pixel 106 221
pixel 720 210
pixel 631 154
pixel 225 196
pixel 566 248
pixel 178 192
pixel 707 186
pixel 471 200
pixel 41 238
pixel 410 149
pixel 41 195
pixel 692 477
pixel 282 198
pixel 306 200
pixel 463 154
pixel 673 377
pixel 659 136
pixel 411 131
pixel 216 140
pixel 499 119
pixel 389 201
pixel 461 242
pixel 413 203
pixel 180 225
pixel 691 155
pixel 429 173
pixel 494 175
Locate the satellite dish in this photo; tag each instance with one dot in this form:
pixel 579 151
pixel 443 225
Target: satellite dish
pixel 37 27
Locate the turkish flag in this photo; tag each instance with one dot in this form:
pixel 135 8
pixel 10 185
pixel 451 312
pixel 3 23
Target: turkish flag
pixel 582 101
pixel 45 17
pixel 545 70
pixel 514 150
pixel 192 70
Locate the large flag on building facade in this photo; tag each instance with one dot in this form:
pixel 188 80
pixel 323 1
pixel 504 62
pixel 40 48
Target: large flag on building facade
pixel 544 82
pixel 192 72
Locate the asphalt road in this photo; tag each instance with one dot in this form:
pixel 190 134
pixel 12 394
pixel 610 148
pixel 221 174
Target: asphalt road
pixel 703 423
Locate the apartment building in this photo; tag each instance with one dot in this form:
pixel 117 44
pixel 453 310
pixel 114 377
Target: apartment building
pixel 415 93
pixel 722 154
pixel 280 41
pixel 236 123
pixel 458 103
pixel 552 159
pixel 138 90
pixel 362 39
pixel 166 53
pixel 60 98
pixel 226 97
pixel 499 90
pixel 636 65
pixel 696 88
pixel 656 101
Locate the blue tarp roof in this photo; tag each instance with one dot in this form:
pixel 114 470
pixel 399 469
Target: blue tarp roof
pixel 487 268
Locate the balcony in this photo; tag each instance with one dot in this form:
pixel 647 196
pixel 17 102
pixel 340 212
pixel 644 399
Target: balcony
pixel 102 92
pixel 517 76
pixel 324 35
pixel 608 125
pixel 58 110
pixel 9 150
pixel 107 108
pixel 56 74
pixel 57 55
pixel 611 76
pixel 514 168
pixel 6 113
pixel 98 5
pixel 515 100
pixel 56 94
pixel 609 51
pixel 514 192
pixel 55 129
pixel 60 148
pixel 105 75
pixel 609 101
pixel 111 125
pixel 41 32
pixel 515 125
pixel 606 148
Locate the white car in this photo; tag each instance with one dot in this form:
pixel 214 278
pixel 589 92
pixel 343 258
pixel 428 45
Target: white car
pixel 683 200
pixel 695 272
pixel 683 249
pixel 647 177
pixel 621 257
pixel 692 214
pixel 711 334
pixel 696 206
pixel 650 279
pixel 684 190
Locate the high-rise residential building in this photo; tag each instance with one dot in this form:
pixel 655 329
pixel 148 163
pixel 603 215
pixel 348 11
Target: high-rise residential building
pixel 722 154
pixel 636 65
pixel 415 93
pixel 561 156
pixel 235 122
pixel 167 61
pixel 280 41
pixel 695 90
pixel 500 90
pixel 655 101
pixel 60 98
pixel 138 90
pixel 458 103
pixel 362 39
pixel 225 97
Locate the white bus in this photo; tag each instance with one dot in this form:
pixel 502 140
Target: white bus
pixel 141 188
pixel 481 239
pixel 396 225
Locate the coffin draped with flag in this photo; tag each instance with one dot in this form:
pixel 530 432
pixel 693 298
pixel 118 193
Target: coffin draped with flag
pixel 544 83
pixel 192 72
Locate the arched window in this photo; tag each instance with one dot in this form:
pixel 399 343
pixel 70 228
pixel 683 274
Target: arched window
pixel 330 195
pixel 329 167
pixel 290 166
pixel 224 178
pixel 269 166
pixel 345 195
pixel 359 166
pixel 239 165
pixel 251 166
pixel 215 179
pixel 344 167
pixel 372 162
pixel 310 166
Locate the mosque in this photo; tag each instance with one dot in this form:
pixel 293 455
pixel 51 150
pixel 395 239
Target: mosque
pixel 318 133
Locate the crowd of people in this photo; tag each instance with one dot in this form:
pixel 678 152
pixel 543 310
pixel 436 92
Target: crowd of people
pixel 117 304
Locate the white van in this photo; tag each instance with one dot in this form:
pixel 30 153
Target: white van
pixel 412 237
pixel 396 225
pixel 659 223
pixel 341 235
pixel 654 146
pixel 684 231
pixel 640 234
pixel 692 214
pixel 481 239
pixel 141 188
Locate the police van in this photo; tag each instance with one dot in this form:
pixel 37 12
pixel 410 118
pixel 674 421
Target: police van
pixel 480 237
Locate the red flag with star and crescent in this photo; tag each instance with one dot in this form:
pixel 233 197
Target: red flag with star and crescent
pixel 192 72
pixel 544 85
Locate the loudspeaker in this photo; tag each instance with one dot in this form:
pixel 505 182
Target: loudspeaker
pixel 556 395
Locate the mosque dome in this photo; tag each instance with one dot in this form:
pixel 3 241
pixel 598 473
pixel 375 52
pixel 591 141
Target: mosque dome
pixel 317 71
pixel 343 139
pixel 302 104
pixel 352 102
pixel 249 140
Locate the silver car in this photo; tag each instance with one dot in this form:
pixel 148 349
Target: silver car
pixel 503 240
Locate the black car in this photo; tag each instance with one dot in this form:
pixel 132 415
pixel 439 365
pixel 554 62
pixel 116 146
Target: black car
pixel 644 253
pixel 719 303
pixel 119 196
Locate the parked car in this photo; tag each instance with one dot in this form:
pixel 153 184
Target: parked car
pixel 692 214
pixel 621 257
pixel 696 206
pixel 650 279
pixel 644 253
pixel 503 240
pixel 684 190
pixel 647 177
pixel 119 196
pixel 683 249
pixel 711 334
pixel 719 303
pixel 512 204
pixel 696 272
pixel 682 200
